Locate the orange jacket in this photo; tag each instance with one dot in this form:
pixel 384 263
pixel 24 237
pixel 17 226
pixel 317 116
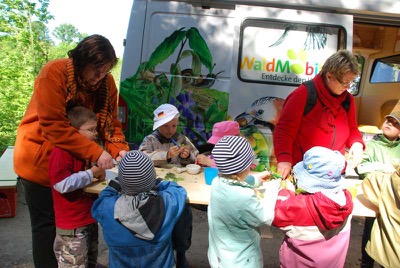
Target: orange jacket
pixel 45 125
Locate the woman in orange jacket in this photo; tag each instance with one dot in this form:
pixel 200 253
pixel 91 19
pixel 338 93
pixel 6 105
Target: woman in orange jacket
pixel 81 79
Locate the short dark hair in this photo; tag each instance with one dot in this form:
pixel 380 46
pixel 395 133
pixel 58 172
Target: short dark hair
pixel 93 50
pixel 79 115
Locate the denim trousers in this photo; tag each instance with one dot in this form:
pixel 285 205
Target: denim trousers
pixel 40 205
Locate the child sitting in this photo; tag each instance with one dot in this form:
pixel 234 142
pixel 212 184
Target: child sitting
pixel 380 152
pixel 137 223
pixel 76 242
pixel 316 222
pixel 164 145
pixel 237 209
pixel 219 130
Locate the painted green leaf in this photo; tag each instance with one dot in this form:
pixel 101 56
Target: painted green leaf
pixel 177 79
pixel 166 48
pixel 196 62
pixel 197 43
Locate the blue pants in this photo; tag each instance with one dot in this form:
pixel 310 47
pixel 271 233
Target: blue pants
pixel 182 232
pixel 43 227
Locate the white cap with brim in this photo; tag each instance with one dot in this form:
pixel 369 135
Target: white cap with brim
pixel 163 114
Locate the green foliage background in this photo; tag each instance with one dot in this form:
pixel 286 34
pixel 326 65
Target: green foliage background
pixel 25 46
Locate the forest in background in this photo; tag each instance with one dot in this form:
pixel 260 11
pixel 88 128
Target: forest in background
pixel 25 46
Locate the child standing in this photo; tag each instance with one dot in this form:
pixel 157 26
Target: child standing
pixel 317 221
pixel 76 242
pixel 383 191
pixel 219 130
pixel 164 146
pixel 137 223
pixel 236 209
pixel 380 152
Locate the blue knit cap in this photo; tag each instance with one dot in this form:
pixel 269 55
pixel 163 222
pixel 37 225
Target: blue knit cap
pixel 320 170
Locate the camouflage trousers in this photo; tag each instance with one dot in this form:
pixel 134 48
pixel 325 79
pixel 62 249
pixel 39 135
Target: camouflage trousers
pixel 77 248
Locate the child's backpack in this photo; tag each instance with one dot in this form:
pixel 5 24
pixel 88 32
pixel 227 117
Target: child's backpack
pixel 312 98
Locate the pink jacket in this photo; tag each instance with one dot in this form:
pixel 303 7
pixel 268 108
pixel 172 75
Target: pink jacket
pixel 317 229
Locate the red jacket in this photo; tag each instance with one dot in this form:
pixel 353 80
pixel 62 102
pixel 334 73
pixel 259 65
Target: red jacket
pixel 72 210
pixel 295 134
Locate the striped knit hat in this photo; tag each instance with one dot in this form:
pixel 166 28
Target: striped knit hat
pixel 136 173
pixel 232 154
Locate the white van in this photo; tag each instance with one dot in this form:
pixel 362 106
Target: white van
pixel 218 60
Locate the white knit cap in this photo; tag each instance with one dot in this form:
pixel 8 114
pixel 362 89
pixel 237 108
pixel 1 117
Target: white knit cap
pixel 136 173
pixel 232 154
pixel 163 114
pixel 320 170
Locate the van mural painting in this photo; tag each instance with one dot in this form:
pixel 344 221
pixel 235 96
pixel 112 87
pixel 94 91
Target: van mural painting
pixel 191 92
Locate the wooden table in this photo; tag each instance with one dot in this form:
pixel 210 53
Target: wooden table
pixel 198 192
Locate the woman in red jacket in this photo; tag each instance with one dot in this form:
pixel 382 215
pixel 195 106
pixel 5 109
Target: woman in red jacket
pixel 329 124
pixel 82 79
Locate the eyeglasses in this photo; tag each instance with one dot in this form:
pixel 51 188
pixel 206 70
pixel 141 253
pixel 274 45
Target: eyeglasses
pixel 97 72
pixel 393 121
pixel 93 130
pixel 345 84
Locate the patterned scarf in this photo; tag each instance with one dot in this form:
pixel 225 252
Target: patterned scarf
pixel 94 97
pixel 330 105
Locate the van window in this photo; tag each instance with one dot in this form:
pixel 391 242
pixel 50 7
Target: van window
pixel 386 70
pixel 282 52
pixel 355 87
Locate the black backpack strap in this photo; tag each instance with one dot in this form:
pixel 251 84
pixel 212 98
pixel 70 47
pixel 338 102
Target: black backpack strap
pixel 311 96
pixel 346 103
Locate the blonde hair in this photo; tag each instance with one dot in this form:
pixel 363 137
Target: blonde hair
pixel 340 63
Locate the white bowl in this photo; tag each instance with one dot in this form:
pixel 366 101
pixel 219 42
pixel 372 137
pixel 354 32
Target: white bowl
pixel 193 169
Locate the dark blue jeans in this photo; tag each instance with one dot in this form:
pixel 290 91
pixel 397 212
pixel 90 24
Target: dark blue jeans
pixel 40 205
pixel 366 260
pixel 182 232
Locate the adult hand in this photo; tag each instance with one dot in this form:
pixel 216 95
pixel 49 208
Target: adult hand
pixel 121 154
pixel 173 151
pixel 284 168
pixel 356 154
pixel 105 161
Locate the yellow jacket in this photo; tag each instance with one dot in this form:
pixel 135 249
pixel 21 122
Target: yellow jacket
pixel 46 125
pixel 383 190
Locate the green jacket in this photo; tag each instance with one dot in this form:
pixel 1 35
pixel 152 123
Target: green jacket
pixel 378 155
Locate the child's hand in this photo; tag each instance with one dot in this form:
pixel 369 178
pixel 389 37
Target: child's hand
pixel 204 160
pixel 98 172
pixel 184 152
pixel 264 175
pixel 287 184
pixel 173 152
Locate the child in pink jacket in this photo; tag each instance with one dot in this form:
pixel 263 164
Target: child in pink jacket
pixel 316 221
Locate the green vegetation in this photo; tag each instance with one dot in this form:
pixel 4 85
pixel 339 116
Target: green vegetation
pixel 25 46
